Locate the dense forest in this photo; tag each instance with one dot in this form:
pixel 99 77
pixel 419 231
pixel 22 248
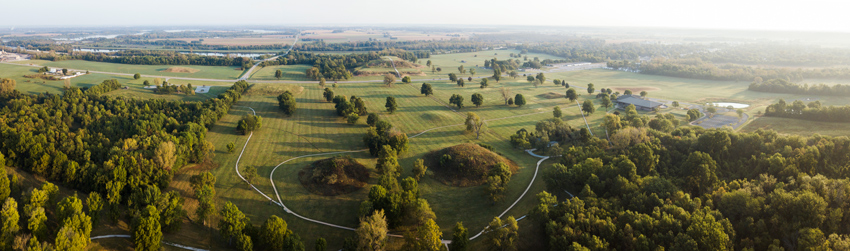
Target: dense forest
pixel 143 57
pixel 694 189
pixel 783 86
pixel 812 111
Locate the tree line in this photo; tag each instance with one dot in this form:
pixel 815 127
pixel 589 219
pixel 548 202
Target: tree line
pixel 333 66
pixel 812 111
pixel 143 57
pixel 784 86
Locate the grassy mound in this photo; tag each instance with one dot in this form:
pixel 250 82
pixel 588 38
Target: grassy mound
pixel 180 70
pixel 465 164
pixel 334 176
pixel 551 95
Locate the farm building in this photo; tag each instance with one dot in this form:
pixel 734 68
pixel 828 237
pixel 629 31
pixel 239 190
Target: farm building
pixel 640 104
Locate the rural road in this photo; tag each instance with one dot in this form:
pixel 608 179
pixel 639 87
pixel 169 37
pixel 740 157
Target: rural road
pixel 247 74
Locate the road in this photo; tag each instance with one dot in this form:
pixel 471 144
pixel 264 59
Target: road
pixel 247 73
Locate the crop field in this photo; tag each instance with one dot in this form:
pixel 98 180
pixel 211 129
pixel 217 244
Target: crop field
pixel 210 72
pixel 290 72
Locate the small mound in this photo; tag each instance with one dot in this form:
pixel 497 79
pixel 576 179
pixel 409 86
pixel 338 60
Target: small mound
pixel 180 70
pixel 334 176
pixel 273 89
pixel 465 165
pixel 634 89
pixel 434 116
pixel 551 95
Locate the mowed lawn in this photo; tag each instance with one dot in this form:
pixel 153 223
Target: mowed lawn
pixel 290 72
pixel 798 126
pixel 315 128
pixel 208 72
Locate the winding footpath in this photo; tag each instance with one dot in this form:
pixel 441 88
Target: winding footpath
pixel 280 203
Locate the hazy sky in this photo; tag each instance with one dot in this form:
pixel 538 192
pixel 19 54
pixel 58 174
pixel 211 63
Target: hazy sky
pixel 814 15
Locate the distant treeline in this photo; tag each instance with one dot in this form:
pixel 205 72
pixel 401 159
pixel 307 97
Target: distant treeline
pixel 777 54
pixel 335 66
pixel 143 57
pixel 596 50
pixel 199 45
pixel 698 69
pixel 813 111
pixel 783 86
pixel 424 46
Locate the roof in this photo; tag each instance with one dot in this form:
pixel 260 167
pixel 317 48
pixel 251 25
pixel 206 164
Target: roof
pixel 635 100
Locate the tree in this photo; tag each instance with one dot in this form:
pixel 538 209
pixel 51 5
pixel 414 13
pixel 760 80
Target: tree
pixel 740 114
pixel 627 92
pixel 389 80
pixel 540 77
pixel 248 124
pixel 328 94
pixel 286 102
pixel 352 118
pixel 7 85
pixel 10 225
pixel 232 222
pixel 372 232
pixel 165 155
pixel 426 89
pixel 64 71
pixel 95 204
pixel 452 77
pixel 460 237
pixel 812 239
pixel 460 82
pixel 137 76
pixel 643 94
pixel 321 243
pixel 472 71
pixel 519 100
pixel 457 100
pixel 439 69
pixel 146 83
pixel 506 94
pixel 460 69
pixel 230 147
pixel 557 112
pixel 606 102
pixel 388 162
pixel 322 82
pixel 694 114
pixel 274 234
pixel 707 232
pixel 68 207
pixel 147 234
pixel 497 181
pixel 278 74
pixel 426 238
pixel 701 175
pixel 711 110
pixel 405 79
pixel 5 188
pixel 571 95
pixel 69 238
pixel 391 105
pixel 483 83
pixel 372 119
pixel 244 243
pixel 477 99
pixel 474 124
pixel 419 169
pixel 250 173
pixel 675 103
pixel 502 238
pixel 497 74
pixel 590 88
pixel 587 107
pixel 204 186
pixel 530 79
pixel 428 63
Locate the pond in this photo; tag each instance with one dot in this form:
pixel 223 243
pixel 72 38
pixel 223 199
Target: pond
pixel 734 105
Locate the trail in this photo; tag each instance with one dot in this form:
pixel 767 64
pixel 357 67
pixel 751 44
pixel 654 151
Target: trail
pixel 163 242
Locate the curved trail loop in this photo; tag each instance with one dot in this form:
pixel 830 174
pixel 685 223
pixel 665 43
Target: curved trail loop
pixel 280 203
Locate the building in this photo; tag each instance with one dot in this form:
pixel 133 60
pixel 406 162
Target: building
pixel 641 104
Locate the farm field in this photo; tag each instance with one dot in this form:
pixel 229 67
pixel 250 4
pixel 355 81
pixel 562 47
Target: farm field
pixel 209 72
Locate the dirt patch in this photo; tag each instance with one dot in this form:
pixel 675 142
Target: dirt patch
pixel 334 176
pixel 466 165
pixel 180 70
pixel 634 89
pixel 551 95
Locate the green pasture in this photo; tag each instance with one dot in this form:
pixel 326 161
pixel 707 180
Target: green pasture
pixel 208 72
pixel 290 72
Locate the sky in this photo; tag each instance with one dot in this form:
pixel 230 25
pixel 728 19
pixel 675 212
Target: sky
pixel 810 15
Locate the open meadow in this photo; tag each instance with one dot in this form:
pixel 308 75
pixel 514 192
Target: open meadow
pixel 193 71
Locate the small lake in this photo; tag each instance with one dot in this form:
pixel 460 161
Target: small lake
pixel 734 105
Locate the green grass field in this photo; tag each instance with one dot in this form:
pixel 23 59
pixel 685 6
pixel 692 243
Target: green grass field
pixel 798 127
pixel 209 72
pixel 290 72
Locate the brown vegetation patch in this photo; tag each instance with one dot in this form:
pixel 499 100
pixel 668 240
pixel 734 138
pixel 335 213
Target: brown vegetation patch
pixel 334 176
pixel 634 89
pixel 467 164
pixel 180 70
pixel 272 89
pixel 42 76
pixel 551 95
